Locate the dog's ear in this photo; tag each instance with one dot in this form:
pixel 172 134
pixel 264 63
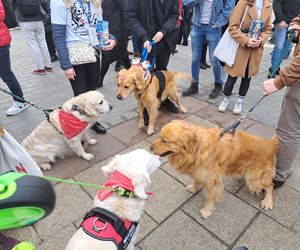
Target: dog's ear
pixel 188 140
pixel 139 80
pixel 140 181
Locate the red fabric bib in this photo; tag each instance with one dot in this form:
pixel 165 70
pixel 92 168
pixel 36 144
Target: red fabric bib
pixel 70 124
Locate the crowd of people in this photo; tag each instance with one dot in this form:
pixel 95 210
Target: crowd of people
pixel 52 28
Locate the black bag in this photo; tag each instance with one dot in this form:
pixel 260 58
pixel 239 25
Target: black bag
pixel 29 8
pixel 10 17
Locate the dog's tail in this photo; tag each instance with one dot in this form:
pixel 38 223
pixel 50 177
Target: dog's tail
pixel 181 76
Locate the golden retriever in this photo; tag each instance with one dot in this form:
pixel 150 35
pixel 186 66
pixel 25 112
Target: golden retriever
pixel 138 166
pixel 48 142
pixel 206 157
pixel 146 89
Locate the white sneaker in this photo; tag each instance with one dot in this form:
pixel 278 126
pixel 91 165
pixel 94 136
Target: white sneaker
pixel 224 104
pixel 16 108
pixel 238 108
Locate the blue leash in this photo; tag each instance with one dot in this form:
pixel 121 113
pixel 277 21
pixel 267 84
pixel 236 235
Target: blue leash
pixel 145 56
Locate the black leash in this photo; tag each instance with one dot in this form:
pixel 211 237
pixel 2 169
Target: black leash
pixel 290 37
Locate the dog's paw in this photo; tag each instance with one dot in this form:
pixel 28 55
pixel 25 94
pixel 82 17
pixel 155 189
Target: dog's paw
pixel 141 124
pixel 150 131
pixel 183 110
pixel 205 213
pixel 266 204
pixel 45 166
pixel 92 141
pixel 87 156
pixel 191 188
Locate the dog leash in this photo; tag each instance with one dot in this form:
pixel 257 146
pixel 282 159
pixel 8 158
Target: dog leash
pixel 145 55
pixel 290 37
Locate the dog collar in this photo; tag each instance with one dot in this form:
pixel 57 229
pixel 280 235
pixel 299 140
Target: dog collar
pixel 144 65
pixel 102 224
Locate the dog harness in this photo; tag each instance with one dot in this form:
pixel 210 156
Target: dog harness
pixel 70 124
pixel 162 82
pixel 104 225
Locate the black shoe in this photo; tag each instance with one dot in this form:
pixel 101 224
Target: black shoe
pixel 203 66
pixel 206 64
pixel 175 51
pixel 98 128
pixel 277 184
pixel 146 117
pixel 185 43
pixel 193 89
pixel 54 58
pixel 170 106
pixel 216 91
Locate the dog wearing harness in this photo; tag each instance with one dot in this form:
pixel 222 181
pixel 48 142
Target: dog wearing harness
pixel 113 222
pixel 149 90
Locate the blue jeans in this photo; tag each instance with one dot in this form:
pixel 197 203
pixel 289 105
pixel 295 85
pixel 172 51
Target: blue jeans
pixel 7 75
pixel 279 42
pixel 212 36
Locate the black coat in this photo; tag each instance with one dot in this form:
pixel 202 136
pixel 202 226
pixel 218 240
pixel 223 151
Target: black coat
pixel 114 14
pixel 140 18
pixel 286 10
pixel 46 14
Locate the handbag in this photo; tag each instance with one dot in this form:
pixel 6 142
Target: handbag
pixel 81 53
pixel 227 47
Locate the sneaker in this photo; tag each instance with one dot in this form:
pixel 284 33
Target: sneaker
pixel 16 108
pixel 39 72
pixel 48 69
pixel 238 108
pixel 216 91
pixel 193 89
pixel 54 58
pixel 224 105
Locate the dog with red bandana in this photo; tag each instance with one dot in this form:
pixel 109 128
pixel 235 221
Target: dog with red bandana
pixel 113 222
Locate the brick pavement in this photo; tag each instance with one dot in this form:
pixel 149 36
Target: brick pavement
pixel 171 219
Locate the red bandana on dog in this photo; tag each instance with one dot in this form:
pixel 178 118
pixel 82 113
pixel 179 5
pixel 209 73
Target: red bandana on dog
pixel 70 124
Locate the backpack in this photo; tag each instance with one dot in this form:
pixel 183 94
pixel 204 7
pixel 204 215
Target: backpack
pixel 10 17
pixel 29 8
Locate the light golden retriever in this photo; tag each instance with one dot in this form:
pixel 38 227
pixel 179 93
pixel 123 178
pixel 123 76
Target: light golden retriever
pixel 146 89
pixel 48 142
pixel 206 157
pixel 138 166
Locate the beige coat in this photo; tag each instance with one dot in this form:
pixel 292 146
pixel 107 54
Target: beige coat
pixel 246 55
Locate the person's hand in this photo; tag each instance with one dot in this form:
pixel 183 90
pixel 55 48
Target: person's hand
pixel 296 27
pixel 147 46
pixel 269 87
pixel 70 74
pixel 214 26
pixel 282 24
pixel 110 45
pixel 259 41
pixel 253 43
pixel 158 36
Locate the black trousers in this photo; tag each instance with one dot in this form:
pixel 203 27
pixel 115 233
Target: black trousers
pixel 50 43
pixel 87 76
pixel 185 25
pixel 245 83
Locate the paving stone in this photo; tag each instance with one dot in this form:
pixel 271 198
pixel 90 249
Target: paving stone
pixel 181 232
pixel 192 104
pixel 286 204
pixel 24 234
pixel 71 204
pixel 58 241
pixel 261 130
pixel 146 225
pixel 296 225
pixel 293 180
pixel 199 121
pixel 229 219
pixel 266 234
pixel 232 184
pixel 185 179
pixel 168 196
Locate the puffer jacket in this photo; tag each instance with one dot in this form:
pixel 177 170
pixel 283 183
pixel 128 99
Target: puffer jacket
pixel 5 37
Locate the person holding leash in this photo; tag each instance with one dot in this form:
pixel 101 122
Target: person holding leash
pixel 288 126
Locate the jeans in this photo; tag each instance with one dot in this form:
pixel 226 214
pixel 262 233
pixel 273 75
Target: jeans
pixel 279 42
pixel 7 75
pixel 201 35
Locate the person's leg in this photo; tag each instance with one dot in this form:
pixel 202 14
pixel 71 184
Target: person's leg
pixel 288 132
pixel 162 56
pixel 213 36
pixel 11 81
pixel 51 46
pixel 204 64
pixel 41 40
pixel 198 37
pixel 28 30
pixel 79 85
pixel 227 93
pixel 279 39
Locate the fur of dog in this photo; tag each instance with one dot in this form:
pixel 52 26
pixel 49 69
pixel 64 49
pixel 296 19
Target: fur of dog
pixel 137 165
pixel 145 91
pixel 45 143
pixel 205 156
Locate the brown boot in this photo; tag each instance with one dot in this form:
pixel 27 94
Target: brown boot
pixel 193 89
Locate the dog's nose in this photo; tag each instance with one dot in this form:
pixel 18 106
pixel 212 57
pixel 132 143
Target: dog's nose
pixel 110 106
pixel 119 97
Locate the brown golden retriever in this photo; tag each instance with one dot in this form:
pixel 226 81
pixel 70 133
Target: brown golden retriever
pixel 146 89
pixel 206 157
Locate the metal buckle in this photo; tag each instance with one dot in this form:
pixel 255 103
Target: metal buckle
pixel 98 229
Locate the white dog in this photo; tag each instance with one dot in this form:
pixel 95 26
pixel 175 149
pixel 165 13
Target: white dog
pixel 131 169
pixel 66 129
